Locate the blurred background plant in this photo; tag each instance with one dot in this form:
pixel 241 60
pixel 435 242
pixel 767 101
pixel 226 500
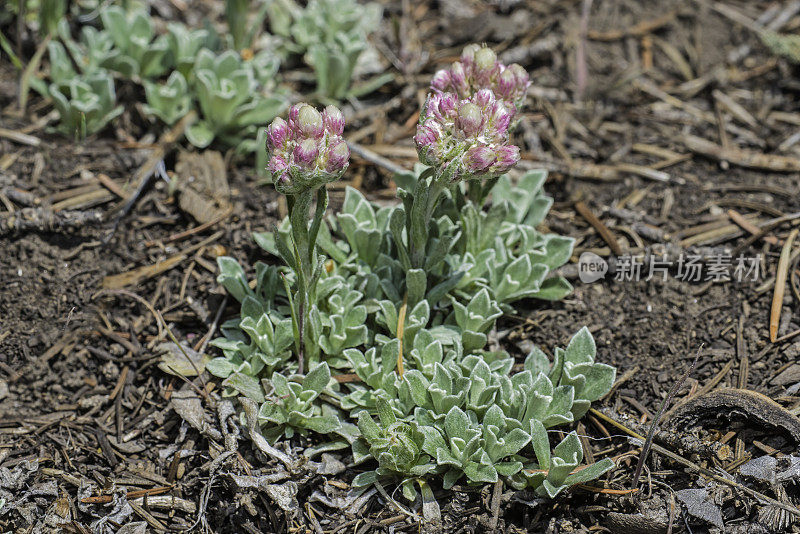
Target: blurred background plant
pixel 231 78
pixel 332 36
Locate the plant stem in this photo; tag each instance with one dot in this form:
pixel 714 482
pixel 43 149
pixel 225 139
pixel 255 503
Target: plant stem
pixel 305 240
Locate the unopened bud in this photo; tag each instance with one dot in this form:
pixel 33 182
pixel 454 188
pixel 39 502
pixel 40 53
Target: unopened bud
pixel 310 121
pixel 478 159
pixel 507 157
pixel 441 80
pixel 484 98
pixel 333 120
pixel 506 84
pixel 485 59
pixel 277 165
pixel 468 54
pixel 277 133
pixel 338 158
pixel 458 78
pixel 306 153
pixel 469 118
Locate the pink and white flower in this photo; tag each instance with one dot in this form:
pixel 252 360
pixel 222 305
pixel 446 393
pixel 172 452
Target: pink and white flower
pixel 307 149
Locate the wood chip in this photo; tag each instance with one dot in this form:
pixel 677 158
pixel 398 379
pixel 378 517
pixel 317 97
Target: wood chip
pixel 780 286
pixel 202 185
pixel 742 157
pixel 601 228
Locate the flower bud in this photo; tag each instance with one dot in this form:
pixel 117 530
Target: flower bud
pixel 305 154
pixel 277 165
pixel 501 117
pixel 507 157
pixel 484 98
pixel 338 158
pixel 426 136
pixel 468 54
pixel 459 78
pixel 277 134
pixel 521 76
pixel 485 59
pixel 333 120
pixel 441 80
pixel 506 84
pixel 478 159
pixel 469 118
pixel 309 121
pixel 294 112
pixel 466 139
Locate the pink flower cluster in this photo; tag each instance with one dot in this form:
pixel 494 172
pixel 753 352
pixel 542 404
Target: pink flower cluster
pixel 468 138
pixel 307 149
pixel 480 69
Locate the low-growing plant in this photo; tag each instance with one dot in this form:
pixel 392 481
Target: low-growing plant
pixel 169 101
pixel 230 97
pixel 138 51
pixel 332 36
pixel 405 297
pixel 183 46
pixel 86 104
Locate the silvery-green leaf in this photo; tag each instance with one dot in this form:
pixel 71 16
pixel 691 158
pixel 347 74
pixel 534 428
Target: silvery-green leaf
pixel 514 441
pixel 494 417
pixel 385 413
pixel 389 316
pixel 456 423
pixel 558 250
pixel 220 367
pixel 508 469
pixel 246 385
pixel 360 452
pixel 368 427
pixel 450 478
pixel 480 472
pixel 549 489
pixel 200 134
pixel 418 385
pixel 553 289
pixel 570 449
pixel 409 491
pixel 599 380
pixel 537 362
pixel 541 444
pixel 364 479
pixel 416 285
pixel 433 440
pixel 579 408
pixel 581 348
pixel 474 341
pixel 590 472
pixel 323 424
pixel 317 379
pixel 556 370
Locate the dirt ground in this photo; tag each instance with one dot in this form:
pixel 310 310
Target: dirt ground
pixel 614 114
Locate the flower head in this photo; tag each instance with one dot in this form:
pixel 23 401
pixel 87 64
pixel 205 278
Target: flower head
pixel 479 69
pixel 466 139
pixel 307 149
